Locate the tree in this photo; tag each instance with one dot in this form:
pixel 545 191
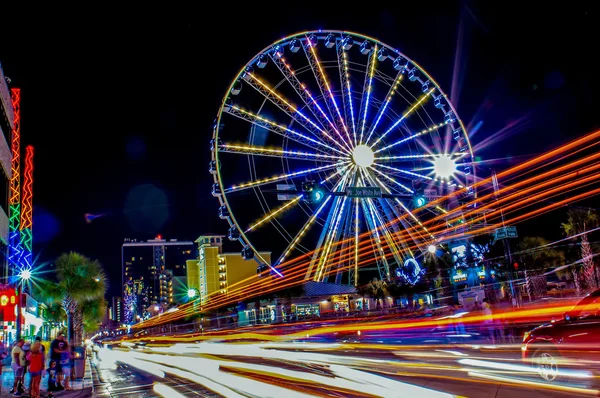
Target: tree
pixel 79 282
pixel 378 290
pixel 536 255
pixel 93 312
pixel 579 222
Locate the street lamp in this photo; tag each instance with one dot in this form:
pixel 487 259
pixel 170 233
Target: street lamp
pixel 191 293
pixel 23 276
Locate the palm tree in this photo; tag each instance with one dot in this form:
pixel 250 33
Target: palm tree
pixel 80 281
pixel 579 221
pixel 536 255
pixel 378 290
pixel 93 312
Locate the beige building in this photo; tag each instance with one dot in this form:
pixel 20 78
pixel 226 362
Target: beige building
pixel 214 271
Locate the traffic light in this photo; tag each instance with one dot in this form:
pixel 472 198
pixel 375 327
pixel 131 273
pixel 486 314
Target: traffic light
pixel 420 201
pixel 516 265
pixel 312 192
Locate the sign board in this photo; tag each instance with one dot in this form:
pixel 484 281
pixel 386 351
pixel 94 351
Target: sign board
pixel 363 192
pixel 506 232
pixel 431 194
pixel 286 196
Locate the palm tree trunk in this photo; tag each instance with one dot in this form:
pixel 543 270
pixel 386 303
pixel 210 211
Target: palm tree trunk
pixel 589 271
pixel 577 282
pixel 70 307
pixel 77 327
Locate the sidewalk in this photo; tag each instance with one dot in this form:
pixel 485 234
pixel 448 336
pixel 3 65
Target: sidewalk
pixel 81 388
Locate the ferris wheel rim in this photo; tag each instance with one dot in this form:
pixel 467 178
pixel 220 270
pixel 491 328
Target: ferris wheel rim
pixel 223 200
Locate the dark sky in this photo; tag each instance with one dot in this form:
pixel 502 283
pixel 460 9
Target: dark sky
pixel 114 100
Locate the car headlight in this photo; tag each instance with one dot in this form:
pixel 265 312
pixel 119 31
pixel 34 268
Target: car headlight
pixel 526 336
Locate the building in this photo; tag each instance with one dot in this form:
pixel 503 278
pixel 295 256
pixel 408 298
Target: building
pixel 153 272
pixel 214 271
pixel 7 124
pixel 116 309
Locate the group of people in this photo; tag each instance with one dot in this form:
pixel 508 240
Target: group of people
pixel 32 358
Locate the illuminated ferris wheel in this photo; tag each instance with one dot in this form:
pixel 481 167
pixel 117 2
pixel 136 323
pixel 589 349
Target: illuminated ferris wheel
pixel 331 144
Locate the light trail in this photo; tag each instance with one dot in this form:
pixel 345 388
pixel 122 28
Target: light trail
pixel 542 158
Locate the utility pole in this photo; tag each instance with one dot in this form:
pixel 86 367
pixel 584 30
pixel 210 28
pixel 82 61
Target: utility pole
pixel 19 315
pixel 506 244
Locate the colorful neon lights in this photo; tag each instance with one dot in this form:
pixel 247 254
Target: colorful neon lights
pixel 26 213
pixel 15 182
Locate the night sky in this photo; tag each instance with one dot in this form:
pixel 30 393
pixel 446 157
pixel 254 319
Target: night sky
pixel 119 106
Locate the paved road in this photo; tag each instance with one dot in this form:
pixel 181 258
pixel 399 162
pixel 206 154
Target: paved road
pixel 290 369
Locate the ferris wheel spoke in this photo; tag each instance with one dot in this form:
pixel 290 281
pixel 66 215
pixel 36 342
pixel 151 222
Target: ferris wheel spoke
pixel 354 267
pixel 342 58
pixel 406 114
pixel 290 109
pixel 404 172
pixel 325 88
pixel 302 232
pixel 336 173
pixel 384 219
pixel 391 179
pixel 385 216
pixel 328 235
pixel 332 236
pixel 412 137
pixel 295 241
pixel 417 221
pixel 398 218
pixel 366 94
pixel 278 153
pixel 311 103
pixel 383 107
pixel 382 263
pixel 408 158
pixel 281 129
pixel 270 180
pixel 274 213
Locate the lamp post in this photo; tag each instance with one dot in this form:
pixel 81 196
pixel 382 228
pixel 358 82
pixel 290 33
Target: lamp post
pixel 23 277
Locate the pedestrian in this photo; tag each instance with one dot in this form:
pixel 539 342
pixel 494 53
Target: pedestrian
pixel 52 379
pixel 36 367
pixel 18 367
pixel 65 365
pixel 57 346
pixel 39 340
pixel 488 320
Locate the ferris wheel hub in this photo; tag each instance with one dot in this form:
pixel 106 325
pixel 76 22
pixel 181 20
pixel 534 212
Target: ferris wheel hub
pixel 363 156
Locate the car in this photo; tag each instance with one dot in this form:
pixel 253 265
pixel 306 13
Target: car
pixel 569 347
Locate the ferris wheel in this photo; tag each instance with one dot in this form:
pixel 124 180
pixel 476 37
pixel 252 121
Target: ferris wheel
pixel 331 144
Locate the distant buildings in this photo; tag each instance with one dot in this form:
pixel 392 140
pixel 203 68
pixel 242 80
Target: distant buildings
pixel 154 272
pixel 213 271
pixel 115 310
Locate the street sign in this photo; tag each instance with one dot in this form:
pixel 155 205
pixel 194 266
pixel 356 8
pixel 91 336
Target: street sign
pixel 363 192
pixel 506 232
pixel 286 196
pixel 511 232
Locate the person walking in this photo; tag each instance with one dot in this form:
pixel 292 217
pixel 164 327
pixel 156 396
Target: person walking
pixel 18 367
pixel 36 367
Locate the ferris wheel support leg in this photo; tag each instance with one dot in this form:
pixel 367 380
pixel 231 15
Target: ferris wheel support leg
pixel 380 258
pixel 347 247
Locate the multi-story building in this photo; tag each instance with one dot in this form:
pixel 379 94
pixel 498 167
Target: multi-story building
pixel 116 309
pixel 7 123
pixel 150 269
pixel 214 271
pixel 165 287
